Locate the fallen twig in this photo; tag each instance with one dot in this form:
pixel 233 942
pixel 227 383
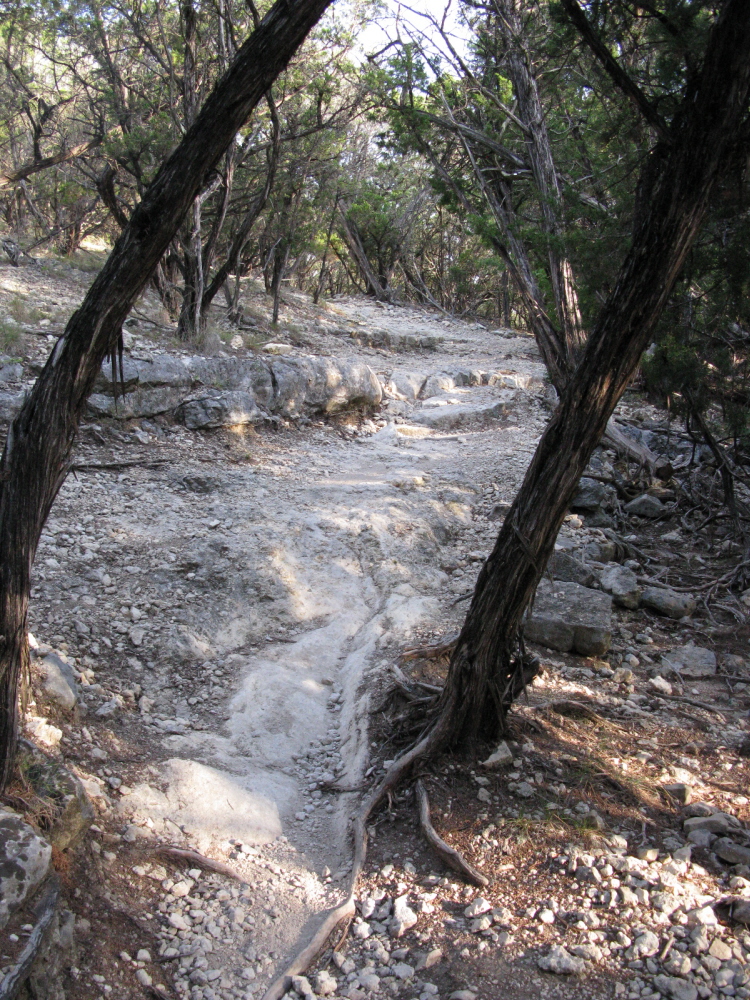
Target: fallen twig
pixel 197 860
pixel 17 974
pixel 691 701
pixel 448 854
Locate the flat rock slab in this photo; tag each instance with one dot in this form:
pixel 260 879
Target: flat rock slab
pixel 24 862
pixel 211 806
pixel 397 342
pixel 564 566
pixel 668 602
pixel 691 661
pixel 453 417
pixel 570 618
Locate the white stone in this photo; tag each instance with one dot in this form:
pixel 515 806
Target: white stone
pixel 561 962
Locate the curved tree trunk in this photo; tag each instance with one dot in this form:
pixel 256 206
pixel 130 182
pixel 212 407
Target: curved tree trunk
pixel 37 450
pixel 487 668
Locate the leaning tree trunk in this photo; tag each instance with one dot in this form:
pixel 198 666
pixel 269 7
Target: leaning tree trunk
pixel 488 668
pixel 37 451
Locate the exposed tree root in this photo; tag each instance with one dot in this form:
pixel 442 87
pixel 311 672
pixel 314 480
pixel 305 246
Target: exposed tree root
pixel 17 975
pixel 445 852
pixel 572 709
pixel 430 652
pixel 346 909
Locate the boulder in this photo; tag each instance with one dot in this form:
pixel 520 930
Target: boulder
pixel 668 602
pixel 715 823
pixel 322 385
pixel 591 495
pixel 140 403
pixel 139 374
pixel 226 409
pixel 646 506
pixel 11 373
pixel 58 681
pixel 564 566
pixel 733 854
pixel 70 810
pixel 690 661
pixel 405 386
pixel 622 584
pixel 24 862
pixel 10 404
pixel 567 616
pixel 436 384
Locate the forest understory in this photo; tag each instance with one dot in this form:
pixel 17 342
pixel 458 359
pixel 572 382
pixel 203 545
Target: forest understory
pixel 251 619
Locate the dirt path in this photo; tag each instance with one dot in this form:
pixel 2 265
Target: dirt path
pixel 235 610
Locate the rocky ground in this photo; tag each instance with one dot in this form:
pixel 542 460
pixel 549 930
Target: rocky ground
pixel 248 541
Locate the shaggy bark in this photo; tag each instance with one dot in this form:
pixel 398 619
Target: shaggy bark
pixel 37 451
pixel 488 666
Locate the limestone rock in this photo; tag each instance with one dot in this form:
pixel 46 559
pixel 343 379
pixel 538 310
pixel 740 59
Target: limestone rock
pixel 24 862
pixel 404 918
pixel 660 684
pixel 502 757
pixel 226 409
pixel 730 852
pixel 58 681
pixel 460 417
pixel 591 495
pixel 561 962
pixel 691 661
pixel 668 602
pixel 404 386
pixel 211 805
pixel 301 985
pixel 717 822
pixel 278 349
pixel 436 384
pixel 645 506
pixel 679 791
pixel 622 584
pixel 675 988
pixel 477 907
pixel 567 616
pixel 563 566
pixel 140 403
pixel 325 983
pixel 311 385
pixel 10 404
pixel 644 946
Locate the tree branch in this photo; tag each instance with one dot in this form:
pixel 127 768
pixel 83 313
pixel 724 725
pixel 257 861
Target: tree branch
pixel 618 75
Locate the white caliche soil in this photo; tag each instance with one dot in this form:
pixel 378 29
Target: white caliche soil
pixel 234 608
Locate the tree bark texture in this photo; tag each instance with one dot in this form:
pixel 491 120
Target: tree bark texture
pixel 487 667
pixel 36 457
